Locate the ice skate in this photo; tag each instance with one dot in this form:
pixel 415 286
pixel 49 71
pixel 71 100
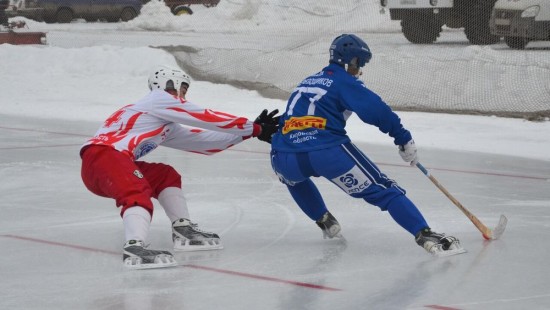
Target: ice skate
pixel 136 256
pixel 188 237
pixel 330 226
pixel 437 244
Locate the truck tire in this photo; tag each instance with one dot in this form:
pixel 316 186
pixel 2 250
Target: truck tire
pixel 517 43
pixel 421 28
pixel 127 14
pixel 182 10
pixel 476 26
pixel 64 16
pixel 49 19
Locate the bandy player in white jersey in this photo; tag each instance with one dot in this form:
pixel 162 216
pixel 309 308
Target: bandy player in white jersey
pixel 111 166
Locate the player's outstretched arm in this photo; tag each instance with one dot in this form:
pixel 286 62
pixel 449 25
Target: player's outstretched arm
pixel 269 124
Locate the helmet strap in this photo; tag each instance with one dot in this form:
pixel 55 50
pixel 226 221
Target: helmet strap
pixel 172 92
pixel 354 70
pixel 170 88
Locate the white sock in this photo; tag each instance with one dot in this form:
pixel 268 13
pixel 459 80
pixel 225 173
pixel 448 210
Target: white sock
pixel 174 203
pixel 136 222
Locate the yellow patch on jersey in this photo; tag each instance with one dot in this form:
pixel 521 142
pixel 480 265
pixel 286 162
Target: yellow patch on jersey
pixel 304 122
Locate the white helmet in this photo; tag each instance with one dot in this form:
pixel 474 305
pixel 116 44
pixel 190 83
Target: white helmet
pixel 165 77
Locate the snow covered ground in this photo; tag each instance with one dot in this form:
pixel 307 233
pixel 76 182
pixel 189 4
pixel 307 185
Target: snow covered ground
pixel 87 59
pixel 53 97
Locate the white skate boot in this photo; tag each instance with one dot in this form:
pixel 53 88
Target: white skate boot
pixel 188 237
pixel 330 226
pixel 136 256
pixel 438 244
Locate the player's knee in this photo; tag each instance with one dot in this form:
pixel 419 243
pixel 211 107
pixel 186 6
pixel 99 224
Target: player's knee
pixel 382 197
pixel 171 178
pixel 138 200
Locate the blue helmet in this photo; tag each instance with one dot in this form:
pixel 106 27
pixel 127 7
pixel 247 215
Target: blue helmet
pixel 346 47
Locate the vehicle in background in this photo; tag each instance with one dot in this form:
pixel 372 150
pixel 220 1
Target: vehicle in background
pixel 521 21
pixel 182 7
pixel 64 11
pixel 25 8
pixel 422 20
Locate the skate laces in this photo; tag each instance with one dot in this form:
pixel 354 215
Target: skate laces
pixel 449 241
pixel 192 225
pixel 324 219
pixel 327 220
pixel 329 225
pixel 427 235
pixel 191 230
pixel 139 248
pixel 427 238
pixel 196 228
pixel 136 243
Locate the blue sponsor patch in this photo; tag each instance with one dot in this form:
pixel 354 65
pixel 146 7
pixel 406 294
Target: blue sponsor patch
pixel 144 149
pixel 353 182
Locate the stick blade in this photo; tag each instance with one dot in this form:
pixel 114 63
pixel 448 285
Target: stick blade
pixel 499 230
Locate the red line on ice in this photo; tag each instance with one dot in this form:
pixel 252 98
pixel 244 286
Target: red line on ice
pixel 440 307
pixel 224 271
pixel 253 276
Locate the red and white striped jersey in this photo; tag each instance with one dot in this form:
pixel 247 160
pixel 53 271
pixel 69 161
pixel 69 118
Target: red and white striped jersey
pixel 162 119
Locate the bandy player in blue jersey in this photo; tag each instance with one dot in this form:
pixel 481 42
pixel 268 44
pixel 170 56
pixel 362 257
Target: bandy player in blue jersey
pixel 312 142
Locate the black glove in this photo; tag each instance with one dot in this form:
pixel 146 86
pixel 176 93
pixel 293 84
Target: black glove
pixel 269 124
pixel 267 118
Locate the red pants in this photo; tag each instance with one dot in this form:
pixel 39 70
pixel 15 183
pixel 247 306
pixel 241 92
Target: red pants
pixel 108 173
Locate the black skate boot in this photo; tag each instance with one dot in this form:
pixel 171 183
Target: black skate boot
pixel 329 225
pixel 136 256
pixel 438 244
pixel 188 237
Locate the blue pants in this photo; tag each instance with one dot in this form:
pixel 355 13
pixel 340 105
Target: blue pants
pixel 351 170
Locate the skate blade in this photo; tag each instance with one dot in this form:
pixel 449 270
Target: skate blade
pixel 208 245
pixel 340 237
pixel 161 261
pixel 337 236
pixel 449 252
pixel 334 232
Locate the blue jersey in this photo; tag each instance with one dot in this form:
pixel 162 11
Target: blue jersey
pixel 317 110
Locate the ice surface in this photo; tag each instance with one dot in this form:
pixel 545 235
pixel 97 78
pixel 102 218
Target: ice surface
pixel 63 245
